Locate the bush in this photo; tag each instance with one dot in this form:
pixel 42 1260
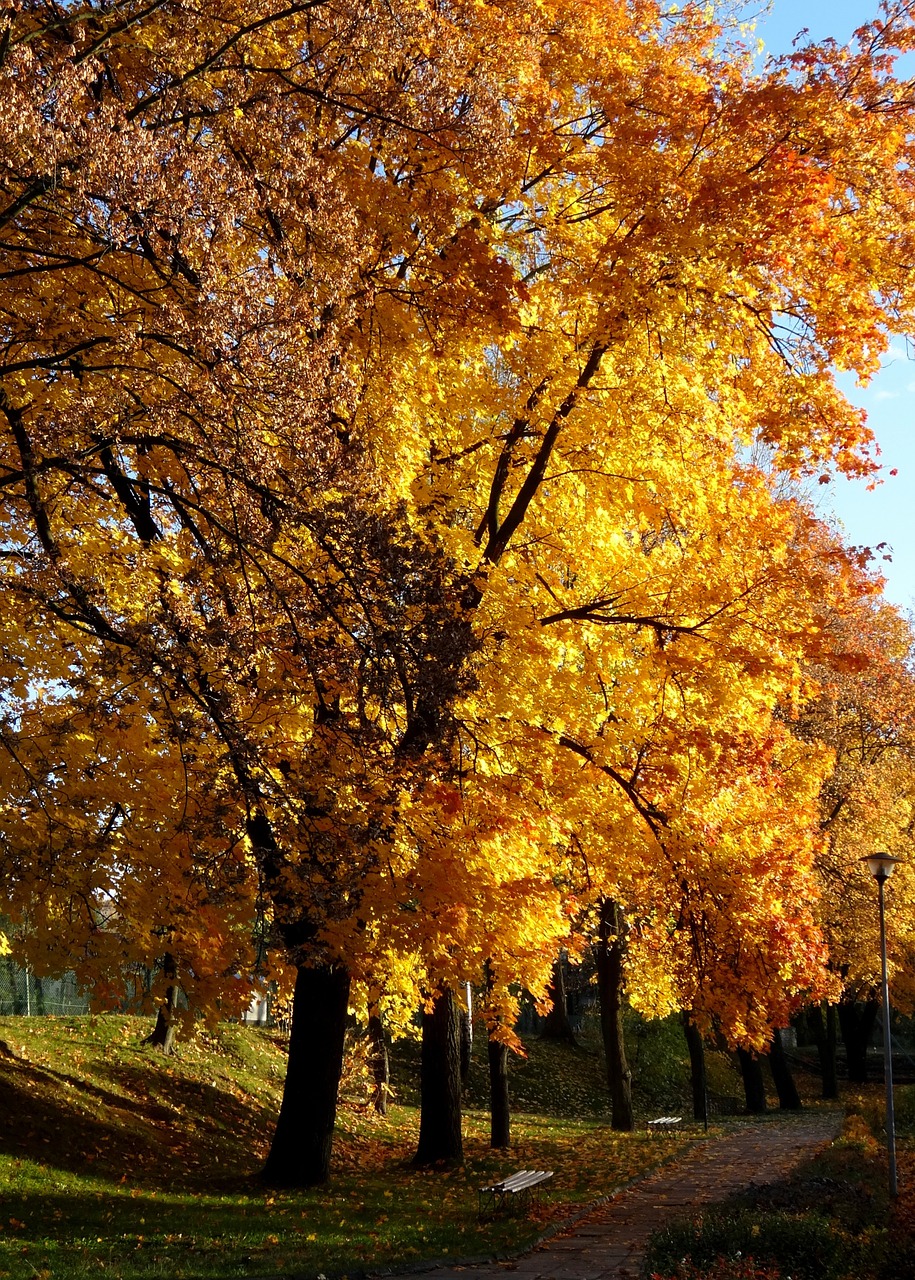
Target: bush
pixel 803 1246
pixel 724 1269
pixel 905 1110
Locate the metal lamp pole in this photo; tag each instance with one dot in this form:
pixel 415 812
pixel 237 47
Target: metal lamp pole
pixel 881 867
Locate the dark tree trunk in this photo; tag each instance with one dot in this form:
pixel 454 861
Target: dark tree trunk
pixel 611 952
pixel 440 1139
pixel 164 1033
pixel 379 1061
pixel 300 1152
pixel 856 1020
pixel 788 1097
pixel 698 1078
pixel 556 1025
pixel 825 1035
pixel 830 1076
pixel 498 1094
pixel 754 1087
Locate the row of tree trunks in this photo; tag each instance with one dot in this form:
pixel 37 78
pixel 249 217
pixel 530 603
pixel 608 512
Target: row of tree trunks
pixel 788 1097
pixel 823 1023
pixel 856 1021
pixel 300 1153
pixel 754 1086
pixel 824 1030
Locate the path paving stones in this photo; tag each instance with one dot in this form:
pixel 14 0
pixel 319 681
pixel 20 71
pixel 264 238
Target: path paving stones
pixel 610 1243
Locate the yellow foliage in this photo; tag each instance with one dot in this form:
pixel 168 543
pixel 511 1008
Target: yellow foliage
pixel 397 450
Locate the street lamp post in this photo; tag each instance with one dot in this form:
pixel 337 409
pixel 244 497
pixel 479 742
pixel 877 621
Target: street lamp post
pixel 881 867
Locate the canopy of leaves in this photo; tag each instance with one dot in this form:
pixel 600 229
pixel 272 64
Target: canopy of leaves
pixel 379 516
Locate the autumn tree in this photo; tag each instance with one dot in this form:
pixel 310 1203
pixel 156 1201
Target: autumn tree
pixel 204 329
pixel 361 368
pixel 862 705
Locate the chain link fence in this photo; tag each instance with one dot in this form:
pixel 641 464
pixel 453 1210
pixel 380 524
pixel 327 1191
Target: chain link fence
pixel 22 994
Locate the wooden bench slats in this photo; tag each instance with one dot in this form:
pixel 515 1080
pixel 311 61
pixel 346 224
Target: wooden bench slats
pixel 519 1188
pixel 665 1122
pixel 518 1181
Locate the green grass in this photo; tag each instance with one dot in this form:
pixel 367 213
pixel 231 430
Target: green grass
pixel 116 1161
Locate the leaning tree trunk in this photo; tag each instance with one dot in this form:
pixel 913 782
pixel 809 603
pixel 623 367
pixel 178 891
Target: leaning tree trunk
pixel 697 1073
pixel 825 1036
pixel 856 1021
pixel 611 951
pixel 788 1097
pixel 500 1111
pixel 164 1033
pixel 300 1152
pixel 557 1025
pixel 440 1141
pixel 753 1084
pixel 379 1061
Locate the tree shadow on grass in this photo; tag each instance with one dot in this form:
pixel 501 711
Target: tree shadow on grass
pixel 150 1128
pixel 845 1185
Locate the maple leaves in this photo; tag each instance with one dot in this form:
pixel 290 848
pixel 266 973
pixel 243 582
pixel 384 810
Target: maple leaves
pixel 397 411
pixel 863 708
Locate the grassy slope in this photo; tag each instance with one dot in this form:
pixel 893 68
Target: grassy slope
pixel 116 1161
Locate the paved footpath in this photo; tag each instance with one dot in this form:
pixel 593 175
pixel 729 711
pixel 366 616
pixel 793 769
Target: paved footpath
pixel 609 1243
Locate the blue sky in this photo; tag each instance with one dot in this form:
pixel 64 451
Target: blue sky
pixel 887 513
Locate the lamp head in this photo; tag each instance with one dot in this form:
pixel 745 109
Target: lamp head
pixel 881 865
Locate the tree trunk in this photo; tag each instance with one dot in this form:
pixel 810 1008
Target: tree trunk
pixel 753 1085
pixel 825 1033
pixel 831 1077
pixel 300 1152
pixel 164 1033
pixel 611 950
pixel 856 1020
pixel 557 1025
pixel 440 1139
pixel 379 1061
pixel 788 1097
pixel 697 1073
pixel 498 1094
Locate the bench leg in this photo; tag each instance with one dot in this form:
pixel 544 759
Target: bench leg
pixel 491 1202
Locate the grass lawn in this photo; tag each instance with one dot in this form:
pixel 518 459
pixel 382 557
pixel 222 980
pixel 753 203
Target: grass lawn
pixel 115 1160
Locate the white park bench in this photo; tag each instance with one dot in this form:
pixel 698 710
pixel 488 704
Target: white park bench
pixel 664 1123
pixel 517 1192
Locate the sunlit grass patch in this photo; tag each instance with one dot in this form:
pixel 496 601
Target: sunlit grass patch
pixel 116 1161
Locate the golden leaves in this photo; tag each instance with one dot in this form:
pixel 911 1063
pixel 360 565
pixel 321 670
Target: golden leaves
pixel 378 466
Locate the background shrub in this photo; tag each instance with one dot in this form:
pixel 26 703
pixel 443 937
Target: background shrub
pixel 803 1246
